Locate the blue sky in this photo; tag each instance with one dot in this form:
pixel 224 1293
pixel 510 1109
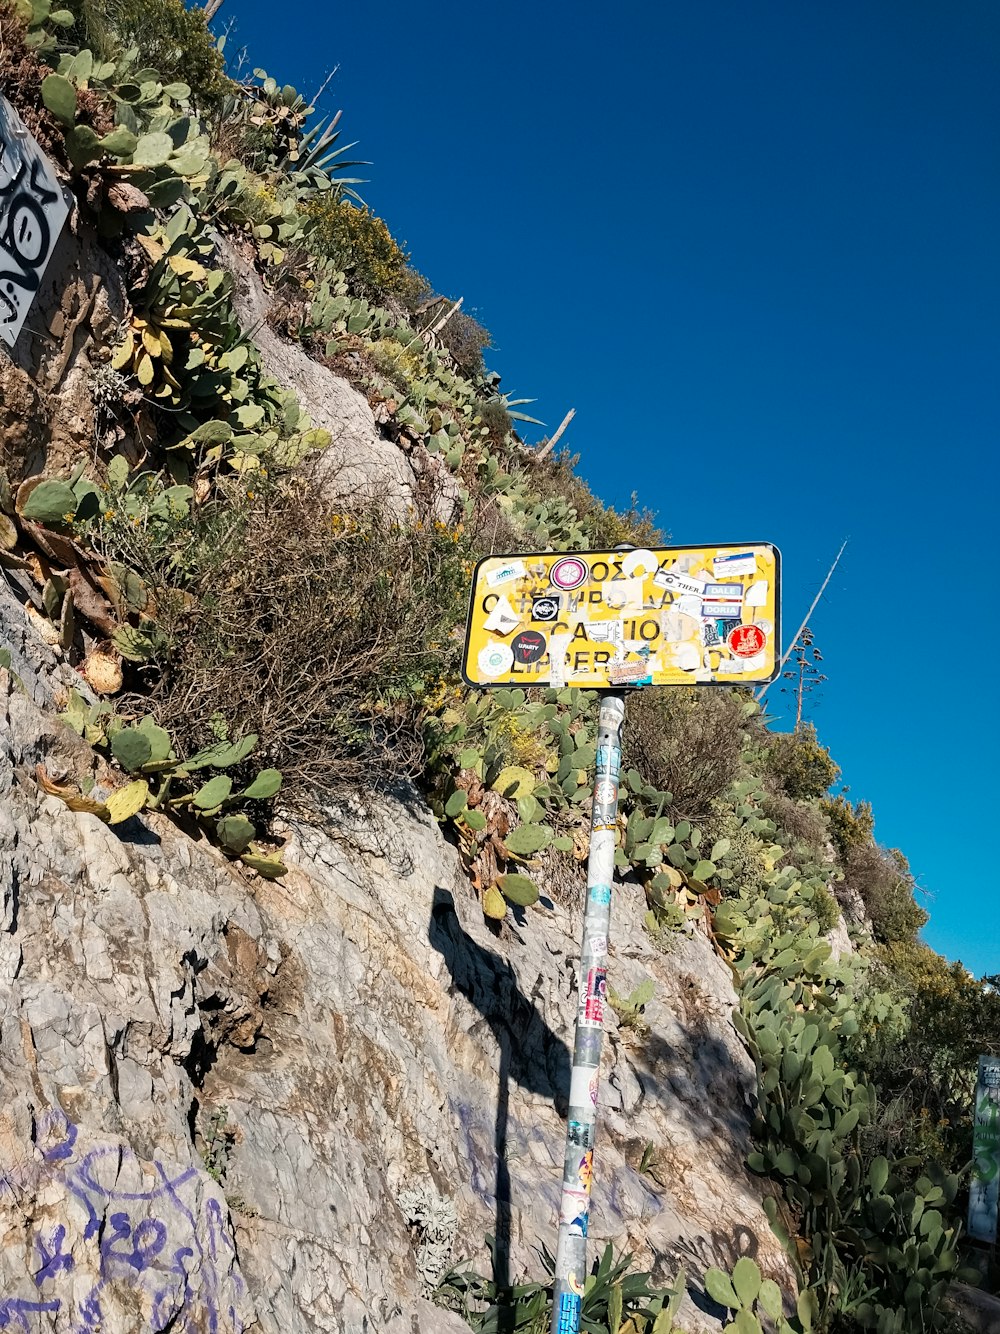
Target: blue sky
pixel 755 246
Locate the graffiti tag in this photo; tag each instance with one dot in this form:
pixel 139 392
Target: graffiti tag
pixel 32 213
pixel 155 1232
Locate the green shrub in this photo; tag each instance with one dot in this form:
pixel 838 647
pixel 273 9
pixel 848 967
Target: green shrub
pixel 825 908
pixel 851 825
pixel 875 1253
pixel 746 857
pixel 361 245
pixel 926 1072
pixel 171 39
pixel 799 765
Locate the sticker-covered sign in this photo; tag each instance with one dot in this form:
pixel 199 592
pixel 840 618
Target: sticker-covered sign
pixel 32 213
pixel 984 1187
pixel 606 619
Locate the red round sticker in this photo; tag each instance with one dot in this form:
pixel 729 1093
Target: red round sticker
pixel 746 641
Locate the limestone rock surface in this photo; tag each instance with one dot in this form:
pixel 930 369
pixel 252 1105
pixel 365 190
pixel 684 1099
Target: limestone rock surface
pixel 215 1090
pixel 359 462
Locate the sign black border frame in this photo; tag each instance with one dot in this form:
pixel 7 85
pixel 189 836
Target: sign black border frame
pixel 686 546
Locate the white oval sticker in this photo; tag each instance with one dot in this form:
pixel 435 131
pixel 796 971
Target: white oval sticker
pixel 495 659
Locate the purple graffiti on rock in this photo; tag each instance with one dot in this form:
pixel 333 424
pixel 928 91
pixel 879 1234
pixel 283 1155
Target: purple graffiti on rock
pixel 52 1259
pixel 147 1229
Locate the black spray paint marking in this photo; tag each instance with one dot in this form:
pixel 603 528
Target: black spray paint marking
pixel 32 213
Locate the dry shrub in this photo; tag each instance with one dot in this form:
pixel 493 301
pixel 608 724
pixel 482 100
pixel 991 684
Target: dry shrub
pixel 799 824
pixel 687 742
pixel 493 531
pixel 466 340
pixel 496 419
pixel 885 883
pixel 319 632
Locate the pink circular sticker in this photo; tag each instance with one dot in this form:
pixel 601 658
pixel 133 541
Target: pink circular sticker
pixel 569 573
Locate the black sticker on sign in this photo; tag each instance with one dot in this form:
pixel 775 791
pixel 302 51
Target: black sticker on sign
pixel 544 607
pixel 528 646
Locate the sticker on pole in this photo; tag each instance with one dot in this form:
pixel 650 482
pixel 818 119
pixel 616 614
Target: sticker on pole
pixel 984 1185
pixel 614 619
pixel 32 212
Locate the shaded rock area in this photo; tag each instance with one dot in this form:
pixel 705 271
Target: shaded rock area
pixel 216 1088
pixel 46 393
pixel 979 1310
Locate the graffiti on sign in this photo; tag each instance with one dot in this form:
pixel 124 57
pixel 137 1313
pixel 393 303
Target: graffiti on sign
pixel 984 1187
pixel 663 616
pixel 32 213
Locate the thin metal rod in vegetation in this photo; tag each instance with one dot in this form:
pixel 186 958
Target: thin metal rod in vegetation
pixel 578 1169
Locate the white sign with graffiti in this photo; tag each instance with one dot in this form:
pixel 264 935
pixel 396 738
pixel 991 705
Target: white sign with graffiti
pixel 32 212
pixel 985 1183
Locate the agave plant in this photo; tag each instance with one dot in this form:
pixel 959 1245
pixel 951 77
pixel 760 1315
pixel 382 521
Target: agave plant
pixel 316 163
pixel 511 405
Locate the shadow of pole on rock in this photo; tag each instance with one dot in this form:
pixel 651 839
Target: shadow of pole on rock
pixel 531 1055
pixel 502 1221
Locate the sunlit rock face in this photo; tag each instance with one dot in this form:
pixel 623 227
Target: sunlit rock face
pixel 216 1088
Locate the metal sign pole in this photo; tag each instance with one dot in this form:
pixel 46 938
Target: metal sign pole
pixel 608 621
pixel 574 1210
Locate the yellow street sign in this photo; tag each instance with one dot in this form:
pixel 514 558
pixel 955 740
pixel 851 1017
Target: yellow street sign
pixel 611 619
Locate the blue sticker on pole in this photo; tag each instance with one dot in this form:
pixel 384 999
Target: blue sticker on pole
pixel 600 893
pixel 569 1313
pixel 581 1134
pixel 609 760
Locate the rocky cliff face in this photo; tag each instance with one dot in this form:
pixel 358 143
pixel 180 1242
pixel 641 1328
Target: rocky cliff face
pixel 227 1101
pixel 230 1104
